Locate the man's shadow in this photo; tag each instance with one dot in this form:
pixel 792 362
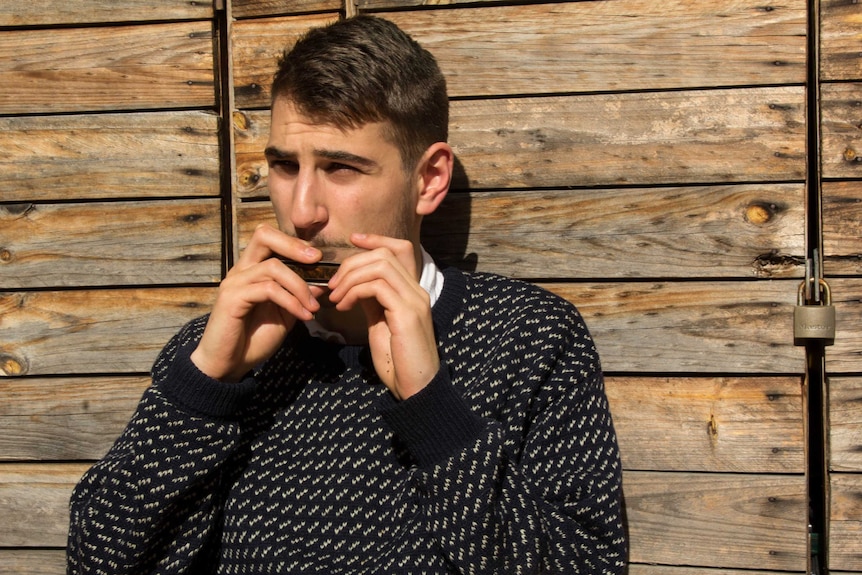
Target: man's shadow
pixel 446 232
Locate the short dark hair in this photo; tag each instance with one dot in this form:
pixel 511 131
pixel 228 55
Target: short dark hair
pixel 366 69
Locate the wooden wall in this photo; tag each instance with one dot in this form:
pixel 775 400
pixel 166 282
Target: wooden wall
pixel 841 160
pixel 647 160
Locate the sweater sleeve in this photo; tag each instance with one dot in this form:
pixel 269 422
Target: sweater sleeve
pixel 543 498
pixel 152 503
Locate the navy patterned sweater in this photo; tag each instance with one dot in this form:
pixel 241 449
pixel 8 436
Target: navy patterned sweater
pixel 506 463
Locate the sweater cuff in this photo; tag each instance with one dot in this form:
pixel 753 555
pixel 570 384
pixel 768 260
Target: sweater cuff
pixel 194 391
pixel 435 423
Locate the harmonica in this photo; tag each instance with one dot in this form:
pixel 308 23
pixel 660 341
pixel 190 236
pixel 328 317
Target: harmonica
pixel 319 273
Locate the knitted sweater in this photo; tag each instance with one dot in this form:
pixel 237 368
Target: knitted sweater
pixel 506 463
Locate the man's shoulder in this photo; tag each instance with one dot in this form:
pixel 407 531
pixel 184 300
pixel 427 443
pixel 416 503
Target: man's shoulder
pixel 514 289
pixel 519 300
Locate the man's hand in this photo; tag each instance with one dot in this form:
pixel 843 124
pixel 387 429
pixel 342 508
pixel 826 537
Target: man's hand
pixel 257 305
pixel 384 282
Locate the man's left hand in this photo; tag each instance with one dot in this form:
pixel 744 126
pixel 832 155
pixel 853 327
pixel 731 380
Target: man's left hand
pixel 384 281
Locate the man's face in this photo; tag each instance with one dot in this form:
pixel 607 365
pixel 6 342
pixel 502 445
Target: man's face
pixel 326 183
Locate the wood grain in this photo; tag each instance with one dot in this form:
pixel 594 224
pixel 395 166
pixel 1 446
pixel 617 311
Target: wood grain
pixel 110 243
pixel 683 327
pixel 671 424
pixel 107 68
pixel 844 356
pixel 93 331
pixel 739 424
pixel 34 503
pixel 754 231
pixel 841 110
pixel 257 45
pixel 251 8
pixel 51 12
pixel 96 156
pixel 842 227
pixel 700 137
pixel 717 520
pixel 841 34
pixel 587 46
pixel 638 569
pixel 604 46
pixel 66 418
pixel 845 424
pixel 32 561
pixel 721 520
pixel 845 522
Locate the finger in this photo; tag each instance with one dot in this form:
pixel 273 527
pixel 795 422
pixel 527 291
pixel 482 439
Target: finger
pixel 402 249
pixel 267 241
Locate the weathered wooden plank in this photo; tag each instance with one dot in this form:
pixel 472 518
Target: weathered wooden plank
pixel 844 356
pixel 845 522
pixel 64 419
pixel 653 327
pixel 714 136
pixel 673 424
pixel 683 523
pixel 743 424
pixel 841 110
pixel 257 8
pixel 586 46
pixel 95 331
pixel 602 46
pixel 107 68
pixel 674 327
pixel 637 569
pixel 719 231
pixel 110 243
pixel 842 227
pixel 53 562
pixel 50 12
pixel 135 155
pixel 717 520
pixel 841 36
pixel 845 424
pixel 666 137
pixel 34 503
pixel 382 4
pixel 716 231
pixel 257 45
pixel 32 561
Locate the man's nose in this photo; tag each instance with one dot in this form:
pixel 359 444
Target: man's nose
pixel 308 212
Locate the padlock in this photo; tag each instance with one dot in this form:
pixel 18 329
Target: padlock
pixel 814 322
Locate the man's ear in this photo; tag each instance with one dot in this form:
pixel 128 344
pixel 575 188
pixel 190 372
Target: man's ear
pixel 434 174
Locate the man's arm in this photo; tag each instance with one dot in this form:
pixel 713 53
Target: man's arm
pixel 151 504
pixel 512 494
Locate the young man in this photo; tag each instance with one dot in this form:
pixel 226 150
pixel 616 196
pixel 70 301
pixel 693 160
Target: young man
pixel 401 418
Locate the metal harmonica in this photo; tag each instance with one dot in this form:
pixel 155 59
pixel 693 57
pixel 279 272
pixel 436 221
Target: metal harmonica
pixel 319 273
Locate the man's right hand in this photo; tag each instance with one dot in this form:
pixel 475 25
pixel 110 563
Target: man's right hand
pixel 258 303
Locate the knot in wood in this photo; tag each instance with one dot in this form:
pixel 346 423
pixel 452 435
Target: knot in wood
pixel 11 365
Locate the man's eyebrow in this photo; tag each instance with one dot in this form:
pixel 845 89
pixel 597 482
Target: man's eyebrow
pixel 332 155
pixel 273 152
pixel 347 157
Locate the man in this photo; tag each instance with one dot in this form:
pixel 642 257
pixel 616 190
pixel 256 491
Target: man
pixel 399 419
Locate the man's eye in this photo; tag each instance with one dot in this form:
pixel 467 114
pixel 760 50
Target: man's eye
pixel 283 165
pixel 337 167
